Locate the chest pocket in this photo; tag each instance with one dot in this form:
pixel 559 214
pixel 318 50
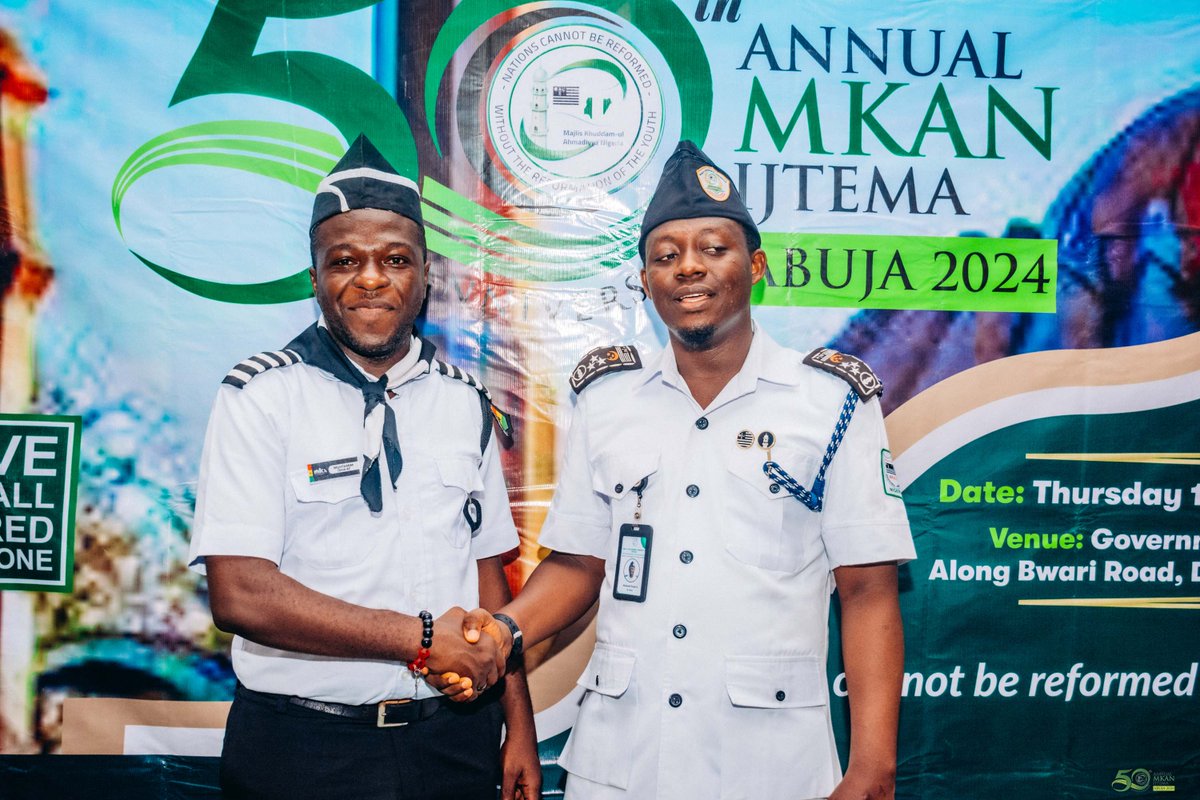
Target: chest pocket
pixel 321 534
pixel 765 526
pixel 616 477
pixel 460 478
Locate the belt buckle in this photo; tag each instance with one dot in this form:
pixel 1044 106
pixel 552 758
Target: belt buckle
pixel 381 719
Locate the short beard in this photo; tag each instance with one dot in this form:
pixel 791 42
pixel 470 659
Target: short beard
pixel 696 338
pixel 377 352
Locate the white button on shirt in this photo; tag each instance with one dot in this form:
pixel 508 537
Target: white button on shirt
pixel 715 686
pixel 259 495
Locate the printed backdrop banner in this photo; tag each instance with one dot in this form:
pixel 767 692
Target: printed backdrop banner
pixel 996 205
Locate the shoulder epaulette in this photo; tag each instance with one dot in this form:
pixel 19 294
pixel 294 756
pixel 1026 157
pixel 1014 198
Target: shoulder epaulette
pixel 491 412
pixel 256 365
pixel 849 368
pixel 603 360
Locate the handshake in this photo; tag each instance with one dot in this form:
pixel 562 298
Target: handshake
pixel 469 653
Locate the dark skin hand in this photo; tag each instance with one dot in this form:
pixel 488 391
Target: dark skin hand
pixel 561 590
pixel 873 651
pixel 252 598
pixel 521 765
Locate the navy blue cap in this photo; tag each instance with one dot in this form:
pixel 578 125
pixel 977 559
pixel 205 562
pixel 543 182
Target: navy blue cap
pixel 693 186
pixel 364 179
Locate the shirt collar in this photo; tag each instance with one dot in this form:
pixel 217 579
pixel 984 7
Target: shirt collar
pixel 773 362
pixel 406 369
pixel 766 360
pixel 662 366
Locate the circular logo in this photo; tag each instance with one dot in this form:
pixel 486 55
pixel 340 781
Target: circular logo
pixel 714 184
pixel 1140 778
pixel 575 104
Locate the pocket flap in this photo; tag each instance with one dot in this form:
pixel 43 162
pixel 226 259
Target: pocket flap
pixel 747 466
pixel 325 490
pixel 461 473
pixel 775 681
pixel 615 475
pixel 609 670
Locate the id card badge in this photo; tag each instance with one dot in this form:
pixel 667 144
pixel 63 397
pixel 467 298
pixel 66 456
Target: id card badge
pixel 633 562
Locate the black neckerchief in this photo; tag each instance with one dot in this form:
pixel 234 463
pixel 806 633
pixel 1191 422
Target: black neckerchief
pixel 317 348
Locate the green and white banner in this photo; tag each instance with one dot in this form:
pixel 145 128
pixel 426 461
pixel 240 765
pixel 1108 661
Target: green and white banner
pixel 994 205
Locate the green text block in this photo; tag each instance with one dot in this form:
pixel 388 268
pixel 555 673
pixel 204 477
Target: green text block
pixel 934 273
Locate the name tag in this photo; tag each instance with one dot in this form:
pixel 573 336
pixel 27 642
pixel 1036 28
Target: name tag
pixel 633 562
pixel 338 468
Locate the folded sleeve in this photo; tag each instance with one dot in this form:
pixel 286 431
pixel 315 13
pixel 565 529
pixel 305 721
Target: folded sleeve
pixel 864 520
pixel 239 498
pixel 579 520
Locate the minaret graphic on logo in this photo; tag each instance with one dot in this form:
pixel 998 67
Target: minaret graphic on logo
pixel 537 123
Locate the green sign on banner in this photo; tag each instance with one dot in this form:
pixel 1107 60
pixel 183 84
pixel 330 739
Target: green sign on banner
pixel 931 273
pixel 39 472
pixel 1051 615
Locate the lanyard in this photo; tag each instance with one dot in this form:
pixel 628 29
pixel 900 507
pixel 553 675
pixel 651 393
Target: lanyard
pixel 814 499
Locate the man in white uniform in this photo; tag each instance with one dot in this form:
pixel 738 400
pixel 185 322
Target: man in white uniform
pixel 712 497
pixel 350 492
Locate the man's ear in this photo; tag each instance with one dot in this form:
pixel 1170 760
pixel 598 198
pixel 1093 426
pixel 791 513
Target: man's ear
pixel 645 284
pixel 312 278
pixel 758 265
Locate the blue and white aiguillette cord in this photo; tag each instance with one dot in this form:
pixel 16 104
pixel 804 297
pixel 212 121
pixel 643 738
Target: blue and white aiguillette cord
pixel 814 498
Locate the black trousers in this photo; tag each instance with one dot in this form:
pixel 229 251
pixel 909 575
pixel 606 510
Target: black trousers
pixel 276 749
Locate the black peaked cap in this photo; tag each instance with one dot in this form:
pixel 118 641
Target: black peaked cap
pixel 364 179
pixel 692 186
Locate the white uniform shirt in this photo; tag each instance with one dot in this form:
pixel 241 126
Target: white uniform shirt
pixel 715 686
pixel 258 497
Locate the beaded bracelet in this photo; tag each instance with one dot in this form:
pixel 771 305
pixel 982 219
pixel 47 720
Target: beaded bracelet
pixel 417 665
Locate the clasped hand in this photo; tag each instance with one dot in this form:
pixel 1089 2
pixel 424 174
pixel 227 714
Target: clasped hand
pixel 463 662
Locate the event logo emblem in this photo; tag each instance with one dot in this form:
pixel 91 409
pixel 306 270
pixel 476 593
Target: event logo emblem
pixel 574 104
pixel 714 184
pixel 1141 779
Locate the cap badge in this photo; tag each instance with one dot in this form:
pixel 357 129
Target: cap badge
pixel 714 184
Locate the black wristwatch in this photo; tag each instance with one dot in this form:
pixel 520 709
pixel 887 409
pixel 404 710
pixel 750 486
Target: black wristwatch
pixel 518 639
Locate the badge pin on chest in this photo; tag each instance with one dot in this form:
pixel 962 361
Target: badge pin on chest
pixel 766 440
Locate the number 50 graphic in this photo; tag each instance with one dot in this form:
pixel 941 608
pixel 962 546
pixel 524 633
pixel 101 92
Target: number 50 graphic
pixel 1136 779
pixel 225 62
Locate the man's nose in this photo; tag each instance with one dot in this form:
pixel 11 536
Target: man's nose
pixel 371 275
pixel 689 264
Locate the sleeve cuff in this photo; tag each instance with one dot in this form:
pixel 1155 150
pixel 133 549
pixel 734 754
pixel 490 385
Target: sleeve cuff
pixel 234 541
pixel 567 535
pixel 494 542
pixel 852 544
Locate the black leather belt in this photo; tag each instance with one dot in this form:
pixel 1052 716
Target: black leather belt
pixel 387 714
